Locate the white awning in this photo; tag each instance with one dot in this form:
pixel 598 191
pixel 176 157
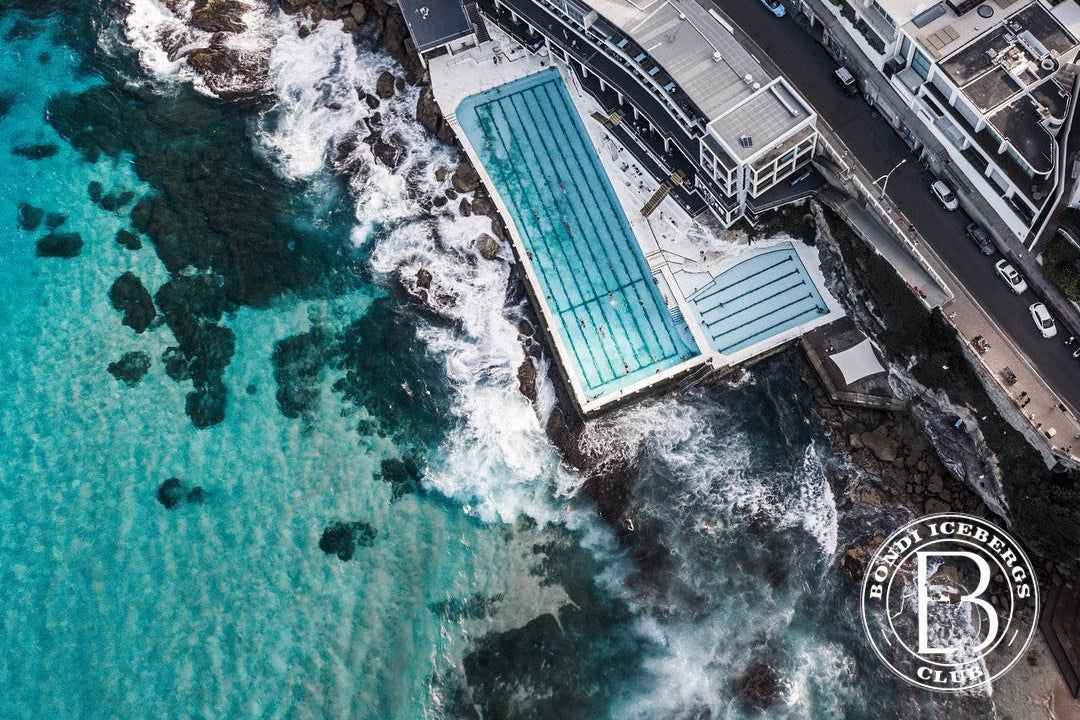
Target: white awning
pixel 857 362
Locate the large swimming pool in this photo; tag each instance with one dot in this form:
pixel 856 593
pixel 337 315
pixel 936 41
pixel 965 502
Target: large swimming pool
pixel 610 314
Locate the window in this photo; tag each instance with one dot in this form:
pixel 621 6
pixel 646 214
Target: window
pixel 905 48
pixel 921 64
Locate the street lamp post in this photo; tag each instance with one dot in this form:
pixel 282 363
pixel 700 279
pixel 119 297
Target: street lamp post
pixel 886 177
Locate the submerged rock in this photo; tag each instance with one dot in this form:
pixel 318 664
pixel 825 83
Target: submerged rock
pixel 59 245
pixel 298 361
pixel 206 404
pixel 129 296
pixel 94 190
pixel 35 152
pixel 29 217
pixel 172 492
pixel 54 220
pixel 403 475
pixel 128 239
pixel 115 201
pixel 131 368
pixel 343 538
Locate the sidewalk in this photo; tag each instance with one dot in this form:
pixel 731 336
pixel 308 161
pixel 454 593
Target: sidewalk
pixel 1037 410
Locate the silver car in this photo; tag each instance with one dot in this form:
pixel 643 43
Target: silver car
pixel 1012 278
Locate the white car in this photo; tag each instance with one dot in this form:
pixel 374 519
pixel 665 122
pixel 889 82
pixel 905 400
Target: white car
pixel 945 195
pixel 1043 321
pixel 1012 278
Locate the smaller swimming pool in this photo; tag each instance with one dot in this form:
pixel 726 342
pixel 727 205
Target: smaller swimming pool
pixel 757 299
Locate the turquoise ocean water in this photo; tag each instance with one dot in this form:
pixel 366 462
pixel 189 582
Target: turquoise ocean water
pixel 292 380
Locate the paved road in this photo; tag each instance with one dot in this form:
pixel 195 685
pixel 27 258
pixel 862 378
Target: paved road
pixel 809 67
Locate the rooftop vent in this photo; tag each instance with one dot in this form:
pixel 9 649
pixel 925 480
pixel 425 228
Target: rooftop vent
pixel 756 86
pixel 748 78
pixel 682 16
pixel 716 56
pixel 985 11
pixel 746 141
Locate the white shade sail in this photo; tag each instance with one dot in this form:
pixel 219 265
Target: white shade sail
pixel 857 362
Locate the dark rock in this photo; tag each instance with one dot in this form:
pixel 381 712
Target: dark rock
pixel 465 177
pixel 465 208
pixel 358 12
pixel 399 83
pixel 196 496
pixel 35 152
pixel 54 220
pixel 129 296
pixel 29 217
pixel 219 15
pixel 230 73
pixel 371 100
pixel 759 686
pixel 384 86
pixel 128 239
pixel 170 493
pixel 439 201
pixel 487 246
pixel 131 368
pixel 526 375
pixel 304 29
pixel 343 538
pixel 423 279
pixel 525 328
pixel 450 194
pixel 59 245
pixel 440 173
pixel 430 116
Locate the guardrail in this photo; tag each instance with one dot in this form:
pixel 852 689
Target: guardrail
pixel 882 208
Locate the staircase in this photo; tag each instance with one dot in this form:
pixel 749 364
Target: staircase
pixel 608 121
pixel 656 199
pixel 698 376
pixel 473 13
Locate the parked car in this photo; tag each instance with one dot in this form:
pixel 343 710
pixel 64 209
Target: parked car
pixel 981 238
pixel 1042 319
pixel 774 7
pixel 945 195
pixel 846 81
pixel 1012 278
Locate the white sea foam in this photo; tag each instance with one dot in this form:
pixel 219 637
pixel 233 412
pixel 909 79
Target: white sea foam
pixel 162 35
pixel 497 461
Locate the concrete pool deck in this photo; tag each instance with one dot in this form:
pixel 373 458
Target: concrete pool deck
pixel 672 245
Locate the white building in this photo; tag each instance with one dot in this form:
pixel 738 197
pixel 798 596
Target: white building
pixel 990 80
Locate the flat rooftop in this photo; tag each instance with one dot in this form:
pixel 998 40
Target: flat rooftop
pixel 760 120
pixel 435 22
pixel 691 44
